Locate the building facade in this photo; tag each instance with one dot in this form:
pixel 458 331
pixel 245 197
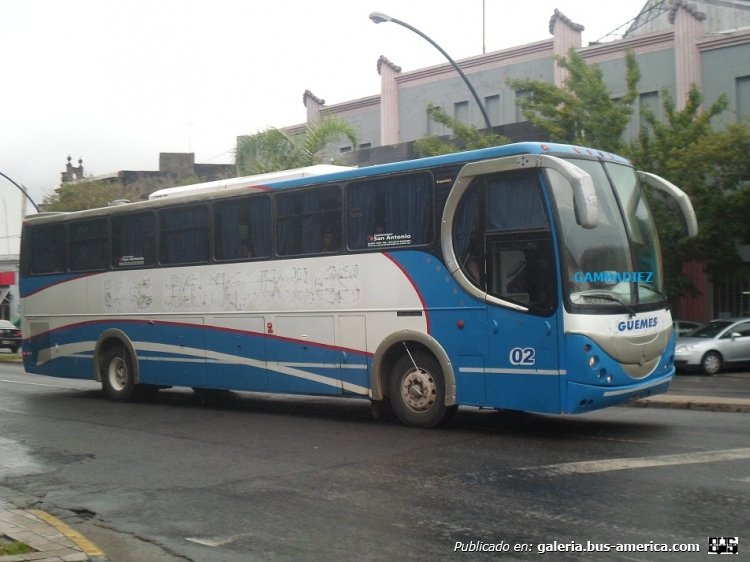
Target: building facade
pixel 676 43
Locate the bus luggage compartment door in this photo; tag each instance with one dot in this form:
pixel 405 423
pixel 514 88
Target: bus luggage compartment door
pixel 302 355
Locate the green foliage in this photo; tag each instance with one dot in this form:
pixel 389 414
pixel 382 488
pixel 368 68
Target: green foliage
pixel 713 169
pixel 467 137
pixel 272 149
pixel 582 111
pixel 82 195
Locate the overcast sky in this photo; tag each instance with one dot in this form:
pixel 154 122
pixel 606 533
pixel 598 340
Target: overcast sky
pixel 117 82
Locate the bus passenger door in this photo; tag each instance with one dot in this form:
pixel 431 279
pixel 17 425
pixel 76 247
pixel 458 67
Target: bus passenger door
pixel 523 371
pixel 520 279
pixel 302 355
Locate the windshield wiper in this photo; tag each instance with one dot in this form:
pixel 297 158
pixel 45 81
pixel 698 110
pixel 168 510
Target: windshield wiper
pixel 654 289
pixel 606 296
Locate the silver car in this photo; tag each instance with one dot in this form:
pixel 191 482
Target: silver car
pixel 715 346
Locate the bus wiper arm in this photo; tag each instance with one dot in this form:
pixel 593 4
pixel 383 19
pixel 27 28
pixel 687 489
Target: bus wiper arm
pixel 609 297
pixel 654 289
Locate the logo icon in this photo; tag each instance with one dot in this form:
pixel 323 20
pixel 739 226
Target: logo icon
pixel 723 545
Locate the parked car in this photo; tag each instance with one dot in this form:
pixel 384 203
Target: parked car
pixel 713 347
pixel 684 327
pixel 10 336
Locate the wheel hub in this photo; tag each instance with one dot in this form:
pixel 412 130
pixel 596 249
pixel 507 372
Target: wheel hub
pixel 118 375
pixel 419 390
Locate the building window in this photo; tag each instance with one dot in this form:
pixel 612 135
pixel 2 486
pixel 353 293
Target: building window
pixel 520 96
pixel 492 107
pixel 743 99
pixel 648 102
pixel 461 111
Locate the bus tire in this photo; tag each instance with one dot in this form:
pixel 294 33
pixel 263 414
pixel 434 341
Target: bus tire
pixel 417 390
pixel 118 376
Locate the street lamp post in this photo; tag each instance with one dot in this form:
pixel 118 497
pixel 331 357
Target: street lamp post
pixel 22 190
pixel 380 17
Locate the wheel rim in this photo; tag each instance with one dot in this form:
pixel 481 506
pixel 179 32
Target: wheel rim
pixel 418 390
pixel 117 374
pixel 712 363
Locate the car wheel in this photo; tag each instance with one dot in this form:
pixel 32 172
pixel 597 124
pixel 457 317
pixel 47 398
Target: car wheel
pixel 711 363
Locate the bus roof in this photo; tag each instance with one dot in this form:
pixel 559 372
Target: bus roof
pixel 325 174
pixel 257 182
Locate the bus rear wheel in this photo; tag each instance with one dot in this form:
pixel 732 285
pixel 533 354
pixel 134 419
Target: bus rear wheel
pixel 118 377
pixel 417 390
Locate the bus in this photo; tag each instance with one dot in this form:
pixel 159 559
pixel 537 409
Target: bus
pixel 523 277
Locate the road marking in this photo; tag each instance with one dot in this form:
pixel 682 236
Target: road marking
pixel 216 541
pixel 31 383
pixel 607 465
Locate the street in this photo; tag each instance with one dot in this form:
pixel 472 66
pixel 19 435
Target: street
pixel 250 478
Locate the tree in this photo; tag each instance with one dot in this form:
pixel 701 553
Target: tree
pixel 582 111
pixel 78 196
pixel 272 149
pixel 713 169
pixel 467 137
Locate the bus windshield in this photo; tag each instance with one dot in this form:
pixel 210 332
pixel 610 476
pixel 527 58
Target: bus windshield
pixel 619 260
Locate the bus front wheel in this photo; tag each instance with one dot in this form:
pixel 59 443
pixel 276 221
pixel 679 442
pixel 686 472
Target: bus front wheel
pixel 118 378
pixel 417 390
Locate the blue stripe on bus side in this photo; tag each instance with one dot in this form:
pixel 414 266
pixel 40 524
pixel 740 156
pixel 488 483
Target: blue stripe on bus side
pixel 31 285
pixel 217 365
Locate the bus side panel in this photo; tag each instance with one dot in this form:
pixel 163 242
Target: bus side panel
pixel 302 357
pixel 355 361
pixel 236 353
pixel 523 372
pixel 60 351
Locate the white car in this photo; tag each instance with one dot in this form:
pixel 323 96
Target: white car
pixel 713 347
pixel 684 327
pixel 10 336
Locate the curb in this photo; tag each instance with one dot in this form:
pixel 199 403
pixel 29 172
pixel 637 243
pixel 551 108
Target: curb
pixel 712 404
pixel 51 539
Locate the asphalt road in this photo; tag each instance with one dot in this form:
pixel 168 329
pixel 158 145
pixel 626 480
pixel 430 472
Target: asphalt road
pixel 258 478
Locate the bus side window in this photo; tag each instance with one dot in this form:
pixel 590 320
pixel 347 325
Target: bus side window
pixel 520 261
pixel 302 219
pixel 89 245
pixel 48 243
pixel 133 240
pixel 184 235
pixel 395 211
pixel 242 228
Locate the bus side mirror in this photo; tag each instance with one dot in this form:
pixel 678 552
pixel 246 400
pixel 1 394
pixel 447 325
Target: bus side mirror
pixel 690 223
pixel 585 201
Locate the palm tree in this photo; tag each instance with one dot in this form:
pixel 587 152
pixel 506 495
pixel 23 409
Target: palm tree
pixel 272 149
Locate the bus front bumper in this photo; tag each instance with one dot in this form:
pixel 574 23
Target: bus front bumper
pixel 585 397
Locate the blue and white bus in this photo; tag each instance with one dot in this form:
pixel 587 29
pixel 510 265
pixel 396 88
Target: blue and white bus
pixel 524 277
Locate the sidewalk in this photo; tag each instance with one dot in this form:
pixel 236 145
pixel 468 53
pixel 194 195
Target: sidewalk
pixel 51 539
pixel 54 541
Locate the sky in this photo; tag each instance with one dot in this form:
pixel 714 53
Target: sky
pixel 117 82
